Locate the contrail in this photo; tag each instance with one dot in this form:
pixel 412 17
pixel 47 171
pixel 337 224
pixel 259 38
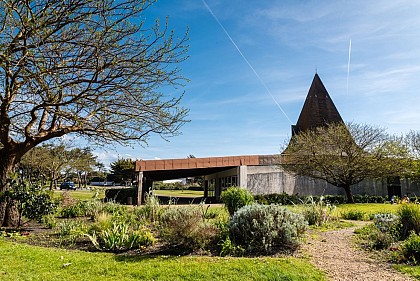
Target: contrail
pixel 348 68
pixel 249 64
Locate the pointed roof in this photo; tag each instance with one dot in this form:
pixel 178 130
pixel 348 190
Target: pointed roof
pixel 318 109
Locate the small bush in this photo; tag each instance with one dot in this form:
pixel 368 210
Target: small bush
pixel 386 223
pixel 409 219
pixel 185 227
pixel 368 199
pixel 279 199
pixel 266 228
pixel 379 240
pixel 381 234
pixel 410 249
pixel 353 215
pixel 33 201
pixel 73 210
pixel 235 198
pixel 121 195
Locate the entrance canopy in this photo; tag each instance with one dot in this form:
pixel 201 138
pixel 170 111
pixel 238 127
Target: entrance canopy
pixel 166 169
pixel 158 170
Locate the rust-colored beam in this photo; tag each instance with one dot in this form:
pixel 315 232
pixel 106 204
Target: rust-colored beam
pixel 209 162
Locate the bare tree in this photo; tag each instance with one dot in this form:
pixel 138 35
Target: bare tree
pixel 89 67
pixel 346 155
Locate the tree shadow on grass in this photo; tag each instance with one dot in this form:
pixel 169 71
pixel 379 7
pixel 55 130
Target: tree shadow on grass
pixel 172 252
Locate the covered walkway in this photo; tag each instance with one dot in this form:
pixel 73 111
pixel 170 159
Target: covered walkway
pixel 158 170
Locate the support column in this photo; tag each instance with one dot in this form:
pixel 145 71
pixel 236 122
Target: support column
pixel 140 189
pixel 243 176
pixel 206 188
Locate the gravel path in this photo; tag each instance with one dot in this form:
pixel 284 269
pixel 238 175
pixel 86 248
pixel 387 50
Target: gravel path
pixel 334 253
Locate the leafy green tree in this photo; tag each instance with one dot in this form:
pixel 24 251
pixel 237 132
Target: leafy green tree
pixel 123 170
pixel 412 140
pixel 94 68
pixel 52 163
pixel 49 160
pixel 82 162
pixel 344 155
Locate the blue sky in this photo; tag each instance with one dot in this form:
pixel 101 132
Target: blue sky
pixel 234 111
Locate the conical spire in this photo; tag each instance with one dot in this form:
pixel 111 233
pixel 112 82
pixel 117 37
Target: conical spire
pixel 318 109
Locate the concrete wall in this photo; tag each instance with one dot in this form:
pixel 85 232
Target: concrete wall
pixel 274 179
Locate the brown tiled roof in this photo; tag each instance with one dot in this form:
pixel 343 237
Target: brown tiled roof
pixel 318 109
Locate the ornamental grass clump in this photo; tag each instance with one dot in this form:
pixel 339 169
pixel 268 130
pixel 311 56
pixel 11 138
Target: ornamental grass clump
pixel 186 227
pixel 317 212
pixel 120 236
pixel 265 229
pixel 409 220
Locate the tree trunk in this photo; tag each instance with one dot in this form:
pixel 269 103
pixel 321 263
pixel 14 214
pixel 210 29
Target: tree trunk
pixel 349 194
pixel 9 214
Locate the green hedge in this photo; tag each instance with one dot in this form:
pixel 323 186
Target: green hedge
pixel 287 199
pixel 121 195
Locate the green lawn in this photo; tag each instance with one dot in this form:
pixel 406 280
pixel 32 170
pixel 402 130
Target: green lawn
pixel 81 194
pixel 413 271
pixel 369 208
pixel 179 193
pixel 24 262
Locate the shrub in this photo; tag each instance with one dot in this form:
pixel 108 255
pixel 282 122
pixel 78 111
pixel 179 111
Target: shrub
pixel 368 199
pixel 185 227
pixel 409 219
pixel 382 233
pixel 353 215
pixel 114 208
pixel 266 228
pixel 379 240
pixel 386 223
pixel 33 201
pixel 236 197
pixel 335 199
pixel 73 210
pixel 410 249
pixel 121 195
pixel 279 199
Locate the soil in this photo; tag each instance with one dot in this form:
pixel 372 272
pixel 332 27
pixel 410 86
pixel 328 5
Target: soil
pixel 335 253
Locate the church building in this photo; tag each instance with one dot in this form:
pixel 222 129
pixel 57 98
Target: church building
pixel 263 174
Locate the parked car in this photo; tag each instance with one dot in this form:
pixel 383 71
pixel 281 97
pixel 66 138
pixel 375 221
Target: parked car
pixel 68 185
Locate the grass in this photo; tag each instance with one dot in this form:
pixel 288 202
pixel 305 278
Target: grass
pixel 367 208
pixel 81 194
pixel 413 271
pixel 25 262
pixel 179 193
